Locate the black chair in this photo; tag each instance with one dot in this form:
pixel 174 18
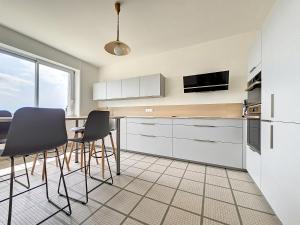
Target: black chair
pixel 34 130
pixel 4 127
pixel 96 128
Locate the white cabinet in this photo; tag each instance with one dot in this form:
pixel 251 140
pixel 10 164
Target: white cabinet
pixel 280 180
pixel 131 88
pixel 114 89
pixel 281 68
pixel 253 162
pixel 225 154
pixel 150 144
pixel 99 91
pixel 150 129
pixel 255 57
pixel 152 86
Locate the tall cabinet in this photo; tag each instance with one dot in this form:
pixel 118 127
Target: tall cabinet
pixel 280 158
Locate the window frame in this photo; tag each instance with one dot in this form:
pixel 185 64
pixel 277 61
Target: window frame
pixel 38 62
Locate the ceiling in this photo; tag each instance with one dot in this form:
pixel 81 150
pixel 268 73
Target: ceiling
pixel 82 27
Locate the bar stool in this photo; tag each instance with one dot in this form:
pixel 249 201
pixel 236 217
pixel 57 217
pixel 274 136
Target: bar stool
pixel 4 127
pixel 96 128
pixel 34 130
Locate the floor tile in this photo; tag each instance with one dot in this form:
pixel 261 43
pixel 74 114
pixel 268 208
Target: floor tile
pixel 133 172
pixel 174 172
pixel 149 159
pixel 179 165
pixel 216 171
pixel 210 222
pixel 251 217
pixel 105 216
pixel 122 180
pixel 196 167
pixel 239 175
pixel 245 187
pixel 149 211
pixel 139 186
pixel 219 193
pixel 137 157
pixel 142 165
pixel 124 201
pixel 169 181
pixel 216 180
pixel 130 221
pixel 157 168
pixel 252 201
pixel 180 217
pixel 188 201
pixel 103 193
pixel 191 186
pixel 163 162
pixel 149 176
pixel 191 175
pixel 161 193
pixel 220 211
pixel 129 162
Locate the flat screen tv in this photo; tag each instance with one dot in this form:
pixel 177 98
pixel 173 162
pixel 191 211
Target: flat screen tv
pixel 206 82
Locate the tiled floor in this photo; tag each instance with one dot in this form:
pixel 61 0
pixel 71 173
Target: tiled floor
pixel 150 190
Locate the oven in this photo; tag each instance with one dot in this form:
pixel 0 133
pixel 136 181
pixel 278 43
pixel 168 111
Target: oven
pixel 253 113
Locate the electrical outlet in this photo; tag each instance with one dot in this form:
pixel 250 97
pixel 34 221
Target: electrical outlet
pixel 148 110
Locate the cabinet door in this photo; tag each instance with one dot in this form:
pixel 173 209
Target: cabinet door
pixel 254 60
pixel 131 88
pixel 280 169
pixel 254 165
pixel 99 91
pixel 114 89
pixel 150 86
pixel 280 56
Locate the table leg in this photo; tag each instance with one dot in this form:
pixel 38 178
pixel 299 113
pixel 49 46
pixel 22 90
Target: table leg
pixel 76 145
pixel 118 145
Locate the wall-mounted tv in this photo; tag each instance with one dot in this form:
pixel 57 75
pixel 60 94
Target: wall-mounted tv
pixel 206 82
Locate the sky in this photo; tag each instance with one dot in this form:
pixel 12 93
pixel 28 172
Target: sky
pixel 17 84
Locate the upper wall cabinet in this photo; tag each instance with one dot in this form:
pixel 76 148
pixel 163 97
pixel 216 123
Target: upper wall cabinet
pixel 255 57
pixel 99 91
pixel 131 88
pixel 114 89
pixel 138 87
pixel 152 86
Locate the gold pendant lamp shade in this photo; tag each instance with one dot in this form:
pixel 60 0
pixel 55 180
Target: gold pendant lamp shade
pixel 117 47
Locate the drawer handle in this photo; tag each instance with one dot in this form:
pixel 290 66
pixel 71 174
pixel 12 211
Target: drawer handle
pixel 144 135
pixel 152 124
pixel 199 140
pixel 204 126
pixel 271 137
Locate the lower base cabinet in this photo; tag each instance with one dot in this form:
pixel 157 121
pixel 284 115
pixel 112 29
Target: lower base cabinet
pixel 225 154
pixel 150 144
pixel 253 162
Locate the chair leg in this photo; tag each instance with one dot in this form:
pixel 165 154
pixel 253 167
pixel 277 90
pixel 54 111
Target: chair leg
pixel 65 157
pixel 70 154
pixel 85 176
pixel 34 163
pixel 113 145
pixel 81 156
pixel 102 158
pixel 44 172
pixel 11 189
pixel 94 150
pixel 111 177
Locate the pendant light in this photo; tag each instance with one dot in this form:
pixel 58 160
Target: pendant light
pixel 117 47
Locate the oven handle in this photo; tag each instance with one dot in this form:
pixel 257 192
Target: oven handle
pixel 253 85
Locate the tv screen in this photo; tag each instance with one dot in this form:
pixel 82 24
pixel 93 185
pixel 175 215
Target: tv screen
pixel 206 82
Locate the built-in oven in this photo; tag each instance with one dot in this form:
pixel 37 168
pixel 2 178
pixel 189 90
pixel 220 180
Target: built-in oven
pixel 253 113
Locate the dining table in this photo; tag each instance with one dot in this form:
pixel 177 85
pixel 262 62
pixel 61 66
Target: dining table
pixel 80 118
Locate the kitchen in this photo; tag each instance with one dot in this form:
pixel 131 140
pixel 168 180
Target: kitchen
pixel 206 132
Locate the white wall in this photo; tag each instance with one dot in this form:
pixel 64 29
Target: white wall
pixel 88 72
pixel 225 54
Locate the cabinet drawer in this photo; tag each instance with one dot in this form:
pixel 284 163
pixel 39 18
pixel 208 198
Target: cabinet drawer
pixel 210 122
pixel 162 130
pixel 149 144
pixel 200 132
pixel 225 154
pixel 151 120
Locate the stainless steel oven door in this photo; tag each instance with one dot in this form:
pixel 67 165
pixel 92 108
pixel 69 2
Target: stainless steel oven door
pixel 253 133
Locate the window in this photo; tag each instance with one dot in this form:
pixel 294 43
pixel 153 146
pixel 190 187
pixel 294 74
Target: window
pixel 31 82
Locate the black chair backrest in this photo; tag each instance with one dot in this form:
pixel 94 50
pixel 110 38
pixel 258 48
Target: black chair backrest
pixel 96 126
pixel 4 126
pixel 35 130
